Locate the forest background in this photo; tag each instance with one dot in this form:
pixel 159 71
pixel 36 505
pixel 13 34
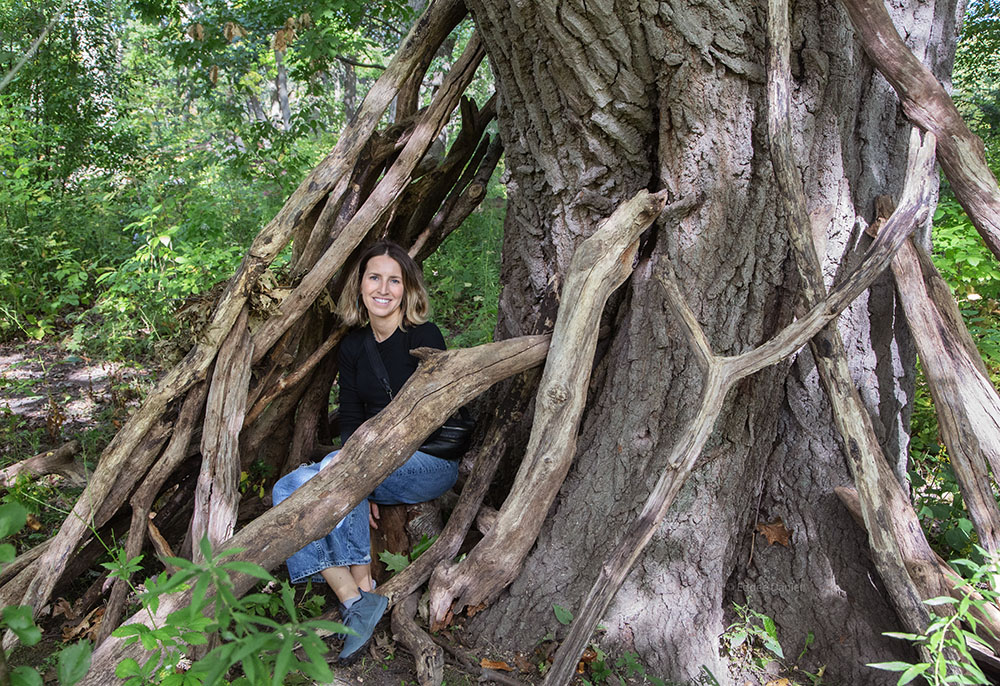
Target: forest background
pixel 140 154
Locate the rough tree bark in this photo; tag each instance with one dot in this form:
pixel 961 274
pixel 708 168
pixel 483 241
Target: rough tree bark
pixel 598 99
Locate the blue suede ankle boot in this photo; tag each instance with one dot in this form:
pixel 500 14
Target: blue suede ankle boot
pixel 361 617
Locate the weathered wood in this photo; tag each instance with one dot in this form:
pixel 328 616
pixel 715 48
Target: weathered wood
pixel 721 374
pixel 142 501
pixel 110 491
pixel 217 494
pixel 600 264
pixel 465 197
pixel 490 450
pixel 926 103
pixel 898 545
pixel 135 446
pixel 59 461
pixel 381 201
pixel 427 655
pixel 987 613
pixel 424 197
pixel 967 405
pixel 444 381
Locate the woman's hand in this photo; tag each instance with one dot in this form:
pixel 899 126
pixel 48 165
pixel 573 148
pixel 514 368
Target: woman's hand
pixel 373 515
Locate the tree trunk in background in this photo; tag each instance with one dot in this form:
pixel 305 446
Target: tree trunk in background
pixel 598 100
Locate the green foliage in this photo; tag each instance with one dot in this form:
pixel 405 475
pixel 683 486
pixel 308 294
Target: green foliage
pixel 73 662
pixel 262 647
pixel 563 616
pixel 752 641
pixel 463 278
pixel 946 639
pixel 397 562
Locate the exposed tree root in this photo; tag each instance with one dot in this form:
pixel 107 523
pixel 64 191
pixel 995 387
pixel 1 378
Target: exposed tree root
pixel 428 656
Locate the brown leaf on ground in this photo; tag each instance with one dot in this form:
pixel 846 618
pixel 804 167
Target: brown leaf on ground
pixel 64 608
pixel 523 663
pixel 33 522
pixel 495 665
pixel 471 611
pixel 87 628
pixel 775 532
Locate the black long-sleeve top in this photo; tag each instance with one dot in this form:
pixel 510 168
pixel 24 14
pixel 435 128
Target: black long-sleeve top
pixel 361 393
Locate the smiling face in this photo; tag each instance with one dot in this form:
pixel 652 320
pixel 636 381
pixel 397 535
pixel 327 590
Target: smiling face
pixel 382 291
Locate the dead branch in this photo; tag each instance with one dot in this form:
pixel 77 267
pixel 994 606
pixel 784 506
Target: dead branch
pixel 492 448
pixel 59 461
pixel 967 405
pixel 926 103
pixel 599 265
pixel 297 376
pixel 426 653
pixel 465 197
pixel 142 501
pixel 217 494
pixel 137 444
pixel 721 374
pixel 381 201
pixel 900 550
pixel 987 613
pixel 444 381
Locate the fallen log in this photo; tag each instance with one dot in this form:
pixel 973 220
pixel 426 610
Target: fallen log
pixel 427 655
pixel 59 461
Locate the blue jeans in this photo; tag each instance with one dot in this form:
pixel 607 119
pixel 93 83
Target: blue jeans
pixel 423 477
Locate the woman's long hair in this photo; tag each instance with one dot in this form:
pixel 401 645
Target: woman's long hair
pixel 415 304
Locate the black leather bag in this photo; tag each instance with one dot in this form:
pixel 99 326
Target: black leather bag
pixel 452 439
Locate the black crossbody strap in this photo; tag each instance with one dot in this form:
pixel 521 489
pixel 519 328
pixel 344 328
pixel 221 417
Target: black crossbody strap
pixel 378 366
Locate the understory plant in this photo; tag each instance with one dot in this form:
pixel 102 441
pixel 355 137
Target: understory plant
pixel 946 641
pixel 262 647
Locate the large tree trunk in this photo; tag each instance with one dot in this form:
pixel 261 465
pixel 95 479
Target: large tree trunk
pixel 598 100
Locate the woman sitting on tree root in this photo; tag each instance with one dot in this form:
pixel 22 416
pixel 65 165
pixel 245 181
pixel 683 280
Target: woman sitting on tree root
pixel 386 292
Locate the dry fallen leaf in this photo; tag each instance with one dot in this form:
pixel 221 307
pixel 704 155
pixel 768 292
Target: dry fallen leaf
pixel 87 628
pixel 523 663
pixel 33 522
pixel 775 532
pixel 495 665
pixel 471 611
pixel 63 607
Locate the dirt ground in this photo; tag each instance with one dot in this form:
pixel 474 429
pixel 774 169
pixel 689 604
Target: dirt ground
pixel 49 395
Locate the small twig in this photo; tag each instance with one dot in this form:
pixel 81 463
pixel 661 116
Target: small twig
pixel 34 47
pixel 355 63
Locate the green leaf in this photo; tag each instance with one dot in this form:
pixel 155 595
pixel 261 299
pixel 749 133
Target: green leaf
pixel 248 568
pixel 74 663
pixel 7 553
pixel 563 616
pixel 940 600
pixel 12 517
pixel 126 668
pixel 25 676
pixel 394 562
pixel 891 666
pixel 19 620
pixel 912 673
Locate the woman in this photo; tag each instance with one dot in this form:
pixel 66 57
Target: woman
pixel 386 297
